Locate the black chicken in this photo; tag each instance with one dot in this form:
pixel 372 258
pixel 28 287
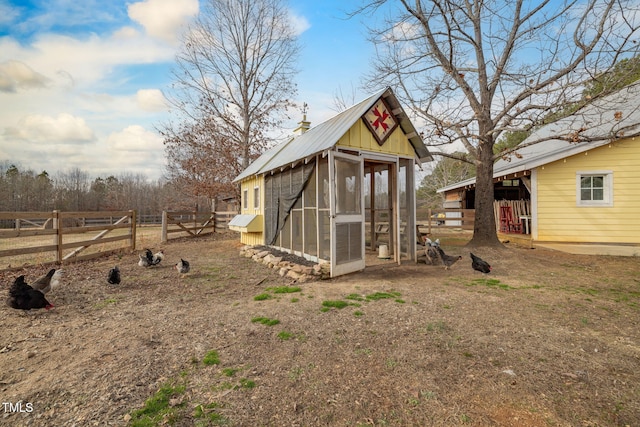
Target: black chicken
pixel 148 258
pixel 182 266
pixel 24 297
pixel 447 260
pixel 114 276
pixel 479 264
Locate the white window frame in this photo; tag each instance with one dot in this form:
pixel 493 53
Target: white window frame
pixel 607 188
pixel 245 199
pixel 256 197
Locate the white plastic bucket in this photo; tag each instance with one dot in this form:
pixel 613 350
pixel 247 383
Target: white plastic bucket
pixel 383 252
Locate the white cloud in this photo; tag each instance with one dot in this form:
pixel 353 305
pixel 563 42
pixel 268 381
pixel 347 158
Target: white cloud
pixel 41 128
pixel 134 149
pixel 16 74
pixel 151 100
pixel 299 23
pixel 163 18
pixel 135 139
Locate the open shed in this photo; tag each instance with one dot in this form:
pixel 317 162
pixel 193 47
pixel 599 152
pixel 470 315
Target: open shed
pixel 336 192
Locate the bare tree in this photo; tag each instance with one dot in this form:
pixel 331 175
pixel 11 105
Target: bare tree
pixel 235 72
pixel 471 70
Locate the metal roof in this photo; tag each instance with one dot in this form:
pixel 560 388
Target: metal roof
pixel 604 120
pixel 327 134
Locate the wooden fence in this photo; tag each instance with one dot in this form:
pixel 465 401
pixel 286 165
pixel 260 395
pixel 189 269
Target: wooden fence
pixel 24 234
pixel 193 224
pixel 446 218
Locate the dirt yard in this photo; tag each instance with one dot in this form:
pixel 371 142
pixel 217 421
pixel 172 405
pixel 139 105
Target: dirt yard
pixel 546 339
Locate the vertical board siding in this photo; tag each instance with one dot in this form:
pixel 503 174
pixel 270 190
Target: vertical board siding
pixel 249 184
pixel 359 137
pixel 561 219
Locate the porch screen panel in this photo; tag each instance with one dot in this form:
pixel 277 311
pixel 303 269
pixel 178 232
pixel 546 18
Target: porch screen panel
pixel 286 190
pixel 348 192
pixel 285 234
pixel 348 242
pixel 324 217
pixel 324 232
pixel 296 230
pixel 310 232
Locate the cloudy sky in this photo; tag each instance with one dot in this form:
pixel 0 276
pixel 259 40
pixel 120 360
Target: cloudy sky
pixel 81 82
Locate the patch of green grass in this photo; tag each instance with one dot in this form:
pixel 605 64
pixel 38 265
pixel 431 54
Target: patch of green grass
pixel 438 326
pixel 363 351
pixel 335 304
pixel 490 283
pixel 206 413
pixel 157 408
pixel 229 372
pixel 285 289
pixel 358 313
pixel 265 321
pixel 391 363
pixel 284 335
pixel 354 297
pixel 262 297
pixel 399 301
pixel 295 299
pixel 211 358
pixel 382 295
pixel 246 383
pixel 295 373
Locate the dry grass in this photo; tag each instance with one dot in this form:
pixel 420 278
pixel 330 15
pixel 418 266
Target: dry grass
pixel 547 339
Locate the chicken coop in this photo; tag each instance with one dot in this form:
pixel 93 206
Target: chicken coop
pixel 336 192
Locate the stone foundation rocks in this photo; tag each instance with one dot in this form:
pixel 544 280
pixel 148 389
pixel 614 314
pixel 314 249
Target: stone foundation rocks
pixel 292 266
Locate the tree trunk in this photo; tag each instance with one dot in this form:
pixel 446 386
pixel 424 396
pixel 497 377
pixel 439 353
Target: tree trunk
pixel 484 228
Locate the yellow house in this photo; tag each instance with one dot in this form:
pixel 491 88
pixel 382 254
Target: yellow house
pixel 336 190
pixel 582 182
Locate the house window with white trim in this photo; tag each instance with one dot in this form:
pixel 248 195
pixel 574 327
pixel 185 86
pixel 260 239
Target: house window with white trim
pixel 256 197
pixel 594 188
pixel 245 199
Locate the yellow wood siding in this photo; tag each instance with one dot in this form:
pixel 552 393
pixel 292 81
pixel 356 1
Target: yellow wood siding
pixel 561 219
pixel 249 184
pixel 359 137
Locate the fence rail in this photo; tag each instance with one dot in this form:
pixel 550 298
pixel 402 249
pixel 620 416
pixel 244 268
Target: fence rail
pixel 193 224
pixel 26 233
pixel 447 218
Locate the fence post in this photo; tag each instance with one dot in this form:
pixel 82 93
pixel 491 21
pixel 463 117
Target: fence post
pixel 163 239
pixel 57 225
pixel 429 222
pixel 132 230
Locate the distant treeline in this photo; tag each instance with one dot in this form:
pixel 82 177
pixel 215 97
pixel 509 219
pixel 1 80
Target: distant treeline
pixel 23 190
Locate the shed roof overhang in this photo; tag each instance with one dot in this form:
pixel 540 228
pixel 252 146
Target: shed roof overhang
pixel 246 223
